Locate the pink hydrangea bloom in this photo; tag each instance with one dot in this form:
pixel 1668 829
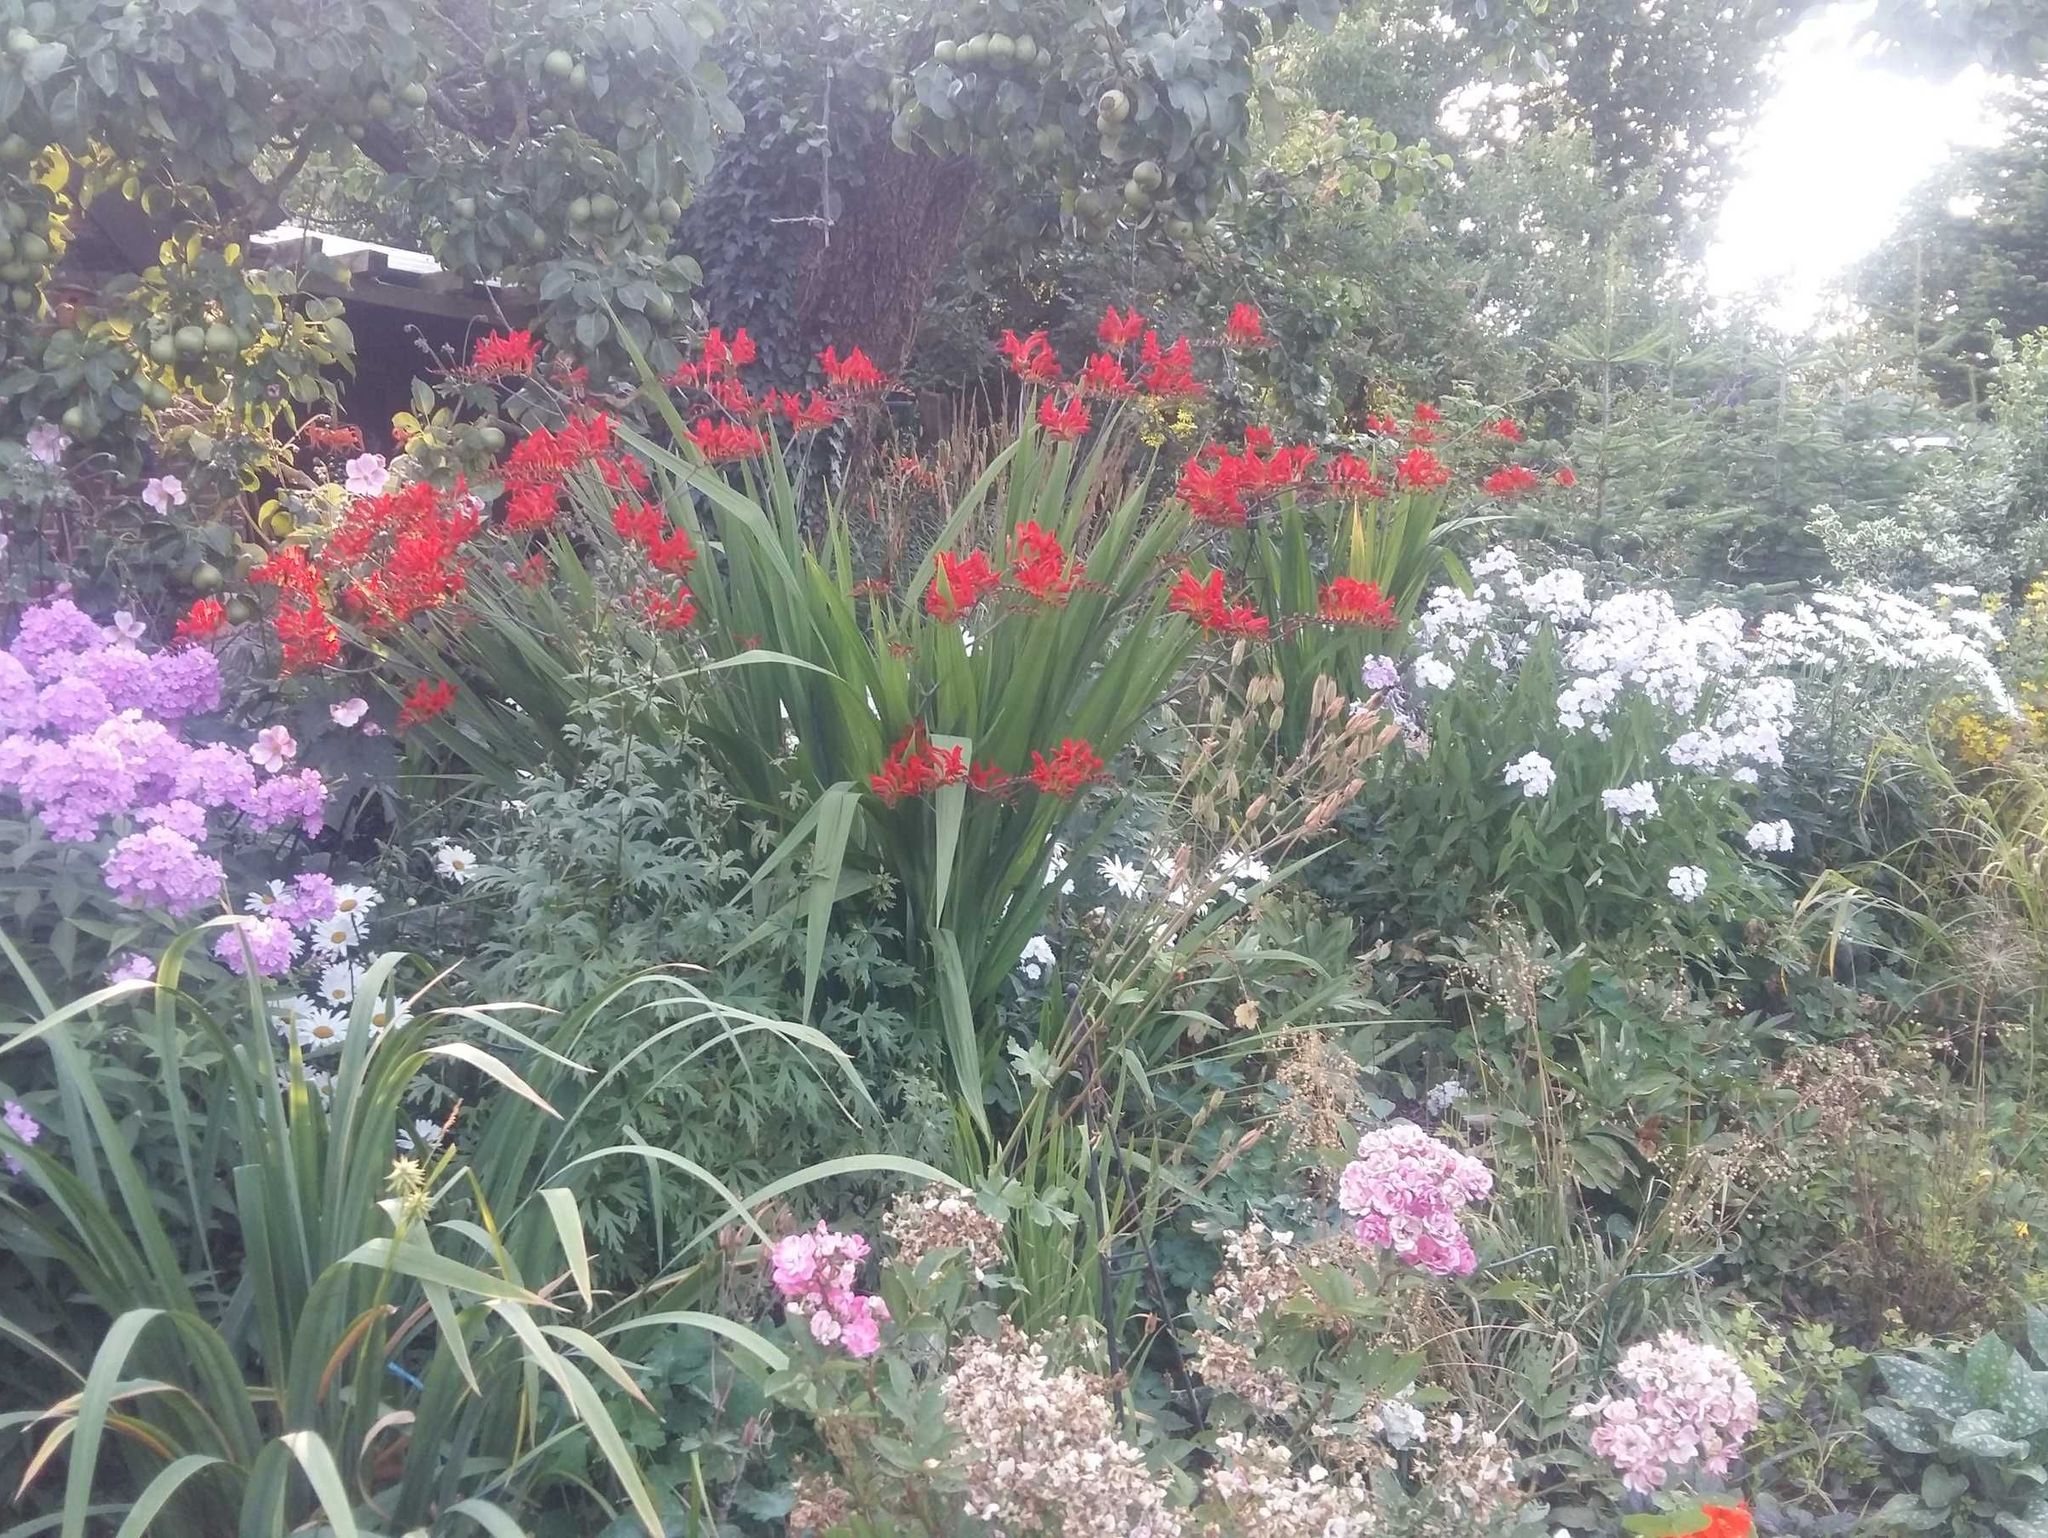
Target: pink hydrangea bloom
pixel 1691 1405
pixel 1406 1190
pixel 73 705
pixel 49 632
pixel 185 682
pixel 310 900
pixel 300 797
pixel 816 1272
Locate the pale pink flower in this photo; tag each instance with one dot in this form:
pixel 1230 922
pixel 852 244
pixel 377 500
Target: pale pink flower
pixel 47 443
pixel 349 711
pixel 273 749
pixel 367 475
pixel 163 492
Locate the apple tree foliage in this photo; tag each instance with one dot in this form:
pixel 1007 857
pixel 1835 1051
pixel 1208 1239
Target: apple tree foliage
pixel 548 144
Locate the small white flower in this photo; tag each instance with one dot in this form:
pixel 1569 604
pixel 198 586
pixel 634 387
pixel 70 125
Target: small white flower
pixel 388 1015
pixel 1631 803
pixel 47 443
pixel 349 711
pixel 337 983
pixel 1124 878
pixel 1402 1425
pixel 163 492
pixel 290 1016
pixel 1688 883
pixel 126 627
pixel 1236 872
pixel 1434 673
pixel 266 898
pixel 338 934
pixel 455 863
pixel 367 476
pixel 323 1030
pixel 1532 771
pixel 1037 959
pixel 353 902
pixel 425 1134
pixel 1442 1097
pixel 273 749
pixel 1769 837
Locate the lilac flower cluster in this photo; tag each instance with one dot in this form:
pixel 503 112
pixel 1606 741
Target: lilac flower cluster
pixel 815 1272
pixel 90 735
pixel 23 1126
pixel 1406 1190
pixel 1692 1405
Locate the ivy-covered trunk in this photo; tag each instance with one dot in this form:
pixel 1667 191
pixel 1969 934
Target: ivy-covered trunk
pixel 864 278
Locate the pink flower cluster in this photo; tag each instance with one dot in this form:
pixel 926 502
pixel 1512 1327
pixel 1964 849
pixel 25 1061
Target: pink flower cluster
pixel 90 731
pixel 816 1272
pixel 1406 1190
pixel 1692 1405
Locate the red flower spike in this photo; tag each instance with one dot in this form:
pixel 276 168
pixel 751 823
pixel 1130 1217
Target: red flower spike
pixel 853 374
pixel 1073 767
pixel 724 442
pixel 672 552
pixel 638 522
pixel 532 507
pixel 306 635
pixel 1428 413
pixel 1031 358
pixel 1507 429
pixel 731 395
pixel 1347 601
pixel 1420 470
pixel 332 440
pixel 1169 374
pixel 1119 331
pixel 915 768
pixel 1197 597
pixel 1102 374
pixel 1350 476
pixel 666 611
pixel 1511 481
pixel 1038 564
pixel 1065 423
pixel 804 415
pixel 1724 1522
pixel 1258 440
pixel 1565 477
pixel 495 356
pixel 425 702
pixel 961 583
pixel 989 780
pixel 207 618
pixel 1246 327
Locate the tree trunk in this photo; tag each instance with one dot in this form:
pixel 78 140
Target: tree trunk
pixel 864 278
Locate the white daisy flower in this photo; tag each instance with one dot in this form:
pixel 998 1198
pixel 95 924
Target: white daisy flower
pixel 336 935
pixel 1126 879
pixel 289 1016
pixel 337 983
pixel 1037 958
pixel 266 898
pixel 424 1135
pixel 355 901
pixel 455 862
pixel 388 1015
pixel 325 1030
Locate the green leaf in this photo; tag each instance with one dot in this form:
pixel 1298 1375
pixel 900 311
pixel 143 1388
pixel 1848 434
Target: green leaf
pixel 325 1478
pixel 1982 1434
pixel 1898 1428
pixel 1919 1386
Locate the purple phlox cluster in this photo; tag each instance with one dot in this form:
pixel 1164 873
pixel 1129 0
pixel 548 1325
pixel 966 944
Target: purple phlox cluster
pixel 815 1272
pixel 91 729
pixel 23 1126
pixel 1406 1190
pixel 134 967
pixel 1691 1405
pixel 270 941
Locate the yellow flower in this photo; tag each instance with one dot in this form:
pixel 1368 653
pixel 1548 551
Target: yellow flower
pixel 2020 1230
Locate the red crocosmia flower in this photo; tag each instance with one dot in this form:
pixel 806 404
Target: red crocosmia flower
pixel 1724 1522
pixel 1420 470
pixel 915 768
pixel 1350 476
pixel 732 395
pixel 289 571
pixel 1038 563
pixel 425 702
pixel 672 552
pixel 961 583
pixel 1510 481
pixel 1385 426
pixel 685 376
pixel 1119 331
pixel 547 454
pixel 1507 429
pixel 1196 596
pixel 1169 373
pixel 1031 358
pixel 804 415
pixel 1066 422
pixel 1102 374
pixel 306 635
pixel 496 356
pixel 723 442
pixel 1347 601
pixel 640 522
pixel 1565 477
pixel 532 507
pixel 1075 765
pixel 666 611
pixel 207 618
pixel 1211 493
pixel 1246 327
pixel 853 374
pixel 1428 413
pixel 1258 439
pixel 989 780
pixel 721 356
